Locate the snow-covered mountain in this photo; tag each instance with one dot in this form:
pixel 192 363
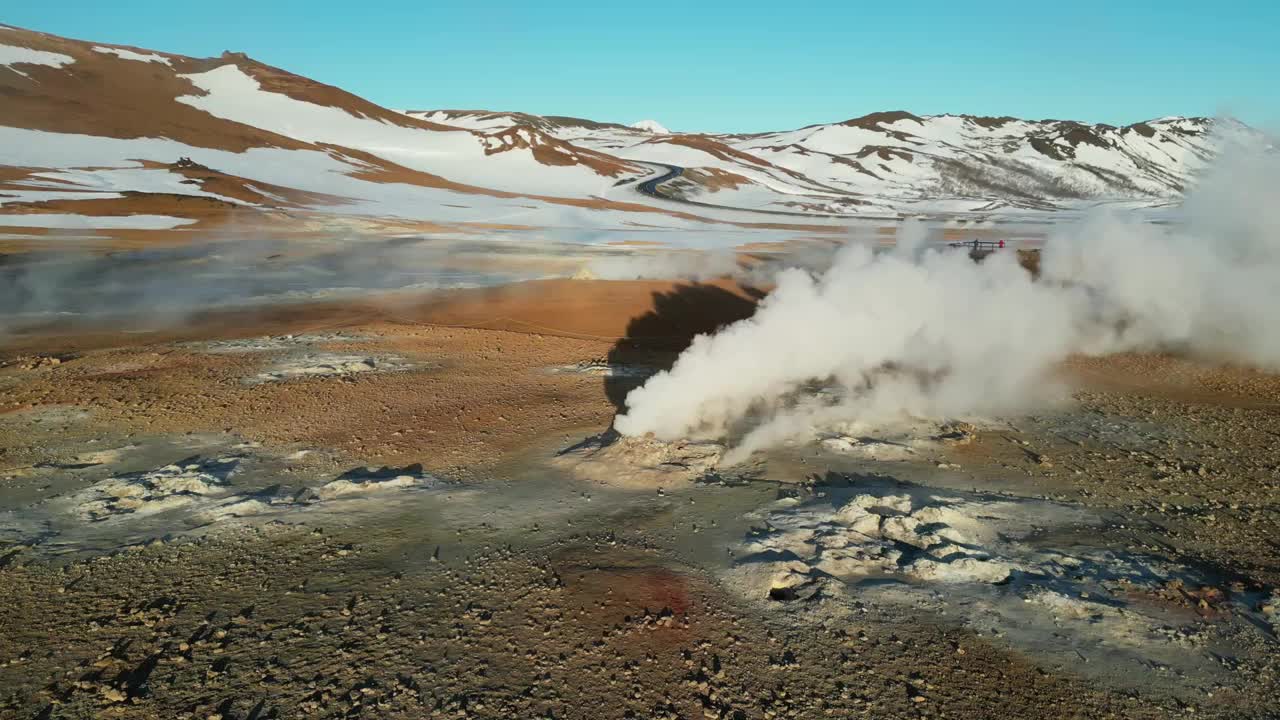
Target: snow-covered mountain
pixel 896 162
pixel 104 136
pixel 975 164
pixel 98 136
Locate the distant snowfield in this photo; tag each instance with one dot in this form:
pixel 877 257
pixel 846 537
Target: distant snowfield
pixel 68 221
pixel 10 56
pixel 910 159
pixel 131 55
pixel 116 169
pixel 29 196
pixel 483 122
pixel 147 180
pixel 307 170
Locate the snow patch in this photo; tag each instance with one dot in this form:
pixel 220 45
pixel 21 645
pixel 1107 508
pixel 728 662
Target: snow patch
pixel 131 55
pixel 143 180
pixel 458 154
pixel 80 222
pixel 11 55
pixel 9 195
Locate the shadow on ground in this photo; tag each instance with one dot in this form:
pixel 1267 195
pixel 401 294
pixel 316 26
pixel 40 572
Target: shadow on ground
pixel 655 339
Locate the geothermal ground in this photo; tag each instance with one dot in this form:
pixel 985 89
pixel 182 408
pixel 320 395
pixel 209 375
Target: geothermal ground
pixel 411 507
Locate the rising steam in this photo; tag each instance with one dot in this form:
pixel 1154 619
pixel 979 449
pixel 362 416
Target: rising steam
pixel 929 333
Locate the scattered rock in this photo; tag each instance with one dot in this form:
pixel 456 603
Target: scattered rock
pixel 271 343
pixel 604 369
pixel 365 480
pixel 155 491
pixel 642 462
pixel 319 364
pixel 932 538
pixel 38 362
pixel 899 441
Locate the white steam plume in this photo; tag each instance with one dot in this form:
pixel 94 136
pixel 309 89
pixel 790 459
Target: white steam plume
pixel 929 333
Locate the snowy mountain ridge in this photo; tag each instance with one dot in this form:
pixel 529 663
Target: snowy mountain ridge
pixel 92 131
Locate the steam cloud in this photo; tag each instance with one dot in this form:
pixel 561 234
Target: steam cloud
pixel 164 286
pixel 929 333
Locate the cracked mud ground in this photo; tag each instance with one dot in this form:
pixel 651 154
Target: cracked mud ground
pixel 512 590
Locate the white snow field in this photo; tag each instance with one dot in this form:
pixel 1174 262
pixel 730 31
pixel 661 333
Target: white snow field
pixel 458 155
pixel 124 54
pixel 68 221
pixel 11 56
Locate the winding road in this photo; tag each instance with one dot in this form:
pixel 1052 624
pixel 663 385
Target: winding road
pixel 651 188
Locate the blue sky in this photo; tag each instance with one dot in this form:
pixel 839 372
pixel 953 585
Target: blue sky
pixel 741 66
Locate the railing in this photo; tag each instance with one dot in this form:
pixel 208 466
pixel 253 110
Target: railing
pixel 979 245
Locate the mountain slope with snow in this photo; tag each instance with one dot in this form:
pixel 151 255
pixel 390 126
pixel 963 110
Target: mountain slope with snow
pixel 1000 161
pixel 99 131
pixel 899 163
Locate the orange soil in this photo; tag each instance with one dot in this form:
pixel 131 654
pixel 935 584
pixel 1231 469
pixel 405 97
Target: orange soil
pixel 487 395
pixel 1179 379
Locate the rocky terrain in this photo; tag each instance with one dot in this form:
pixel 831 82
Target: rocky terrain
pixel 315 408
pixel 182 540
